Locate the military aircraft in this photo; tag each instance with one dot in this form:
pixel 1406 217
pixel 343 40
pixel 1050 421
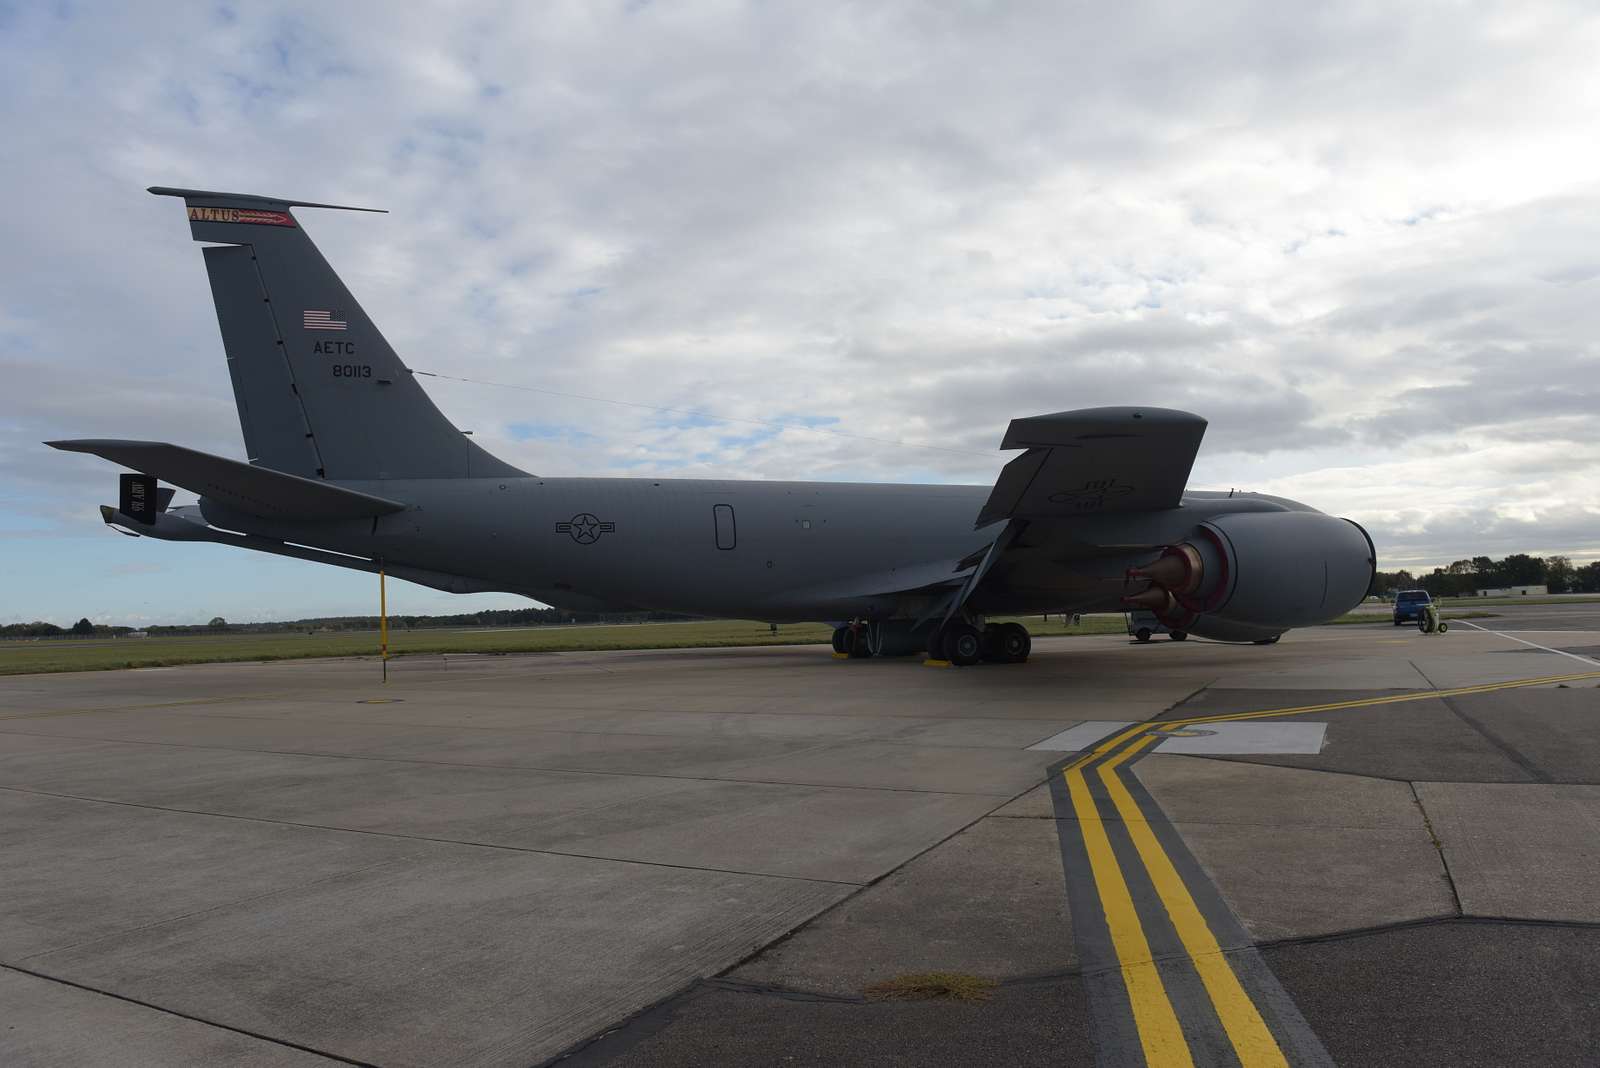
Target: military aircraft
pixel 351 464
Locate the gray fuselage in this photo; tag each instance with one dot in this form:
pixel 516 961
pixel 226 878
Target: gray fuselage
pixel 780 551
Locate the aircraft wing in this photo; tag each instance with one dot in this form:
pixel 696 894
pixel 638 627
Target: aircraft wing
pixel 258 491
pixel 1094 461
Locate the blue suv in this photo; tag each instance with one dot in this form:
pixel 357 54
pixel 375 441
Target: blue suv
pixel 1408 605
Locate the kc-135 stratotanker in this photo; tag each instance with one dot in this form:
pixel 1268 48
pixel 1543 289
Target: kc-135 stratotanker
pixel 350 464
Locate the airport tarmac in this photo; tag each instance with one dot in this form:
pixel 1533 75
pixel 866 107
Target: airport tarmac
pixel 1362 845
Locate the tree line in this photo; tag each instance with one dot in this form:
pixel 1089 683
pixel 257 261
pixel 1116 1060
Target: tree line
pixel 509 617
pixel 1463 578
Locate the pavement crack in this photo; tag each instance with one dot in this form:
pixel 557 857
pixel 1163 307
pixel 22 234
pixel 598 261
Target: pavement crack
pixel 542 768
pixel 439 841
pixel 258 1035
pixel 1438 847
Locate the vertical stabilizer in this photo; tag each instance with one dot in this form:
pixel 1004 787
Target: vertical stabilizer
pixel 320 392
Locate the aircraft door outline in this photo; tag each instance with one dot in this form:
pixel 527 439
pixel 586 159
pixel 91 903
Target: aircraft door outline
pixel 726 528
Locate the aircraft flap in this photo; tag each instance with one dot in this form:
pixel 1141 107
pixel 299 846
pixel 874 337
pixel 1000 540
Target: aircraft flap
pixel 258 491
pixel 1095 461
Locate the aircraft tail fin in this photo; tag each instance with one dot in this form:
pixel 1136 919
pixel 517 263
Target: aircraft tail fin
pixel 320 392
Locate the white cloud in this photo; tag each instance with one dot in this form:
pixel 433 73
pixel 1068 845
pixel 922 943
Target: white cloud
pixel 1360 239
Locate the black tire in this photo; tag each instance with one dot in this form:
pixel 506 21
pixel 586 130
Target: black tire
pixel 1443 627
pixel 963 644
pixel 1397 622
pixel 857 645
pixel 1013 643
pixel 1178 635
pixel 936 644
pixel 841 638
pixel 1142 634
pixel 1268 641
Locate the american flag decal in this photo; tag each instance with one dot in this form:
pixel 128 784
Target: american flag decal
pixel 323 320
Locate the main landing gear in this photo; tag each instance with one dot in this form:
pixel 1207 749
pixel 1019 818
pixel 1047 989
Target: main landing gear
pixel 963 644
pixel 852 640
pixel 959 642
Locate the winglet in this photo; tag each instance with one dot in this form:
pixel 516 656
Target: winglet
pixel 252 198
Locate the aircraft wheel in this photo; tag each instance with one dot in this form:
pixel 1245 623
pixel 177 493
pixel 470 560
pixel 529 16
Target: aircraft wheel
pixel 841 639
pixel 1178 635
pixel 936 644
pixel 1143 634
pixel 1443 627
pixel 856 643
pixel 963 644
pixel 1011 643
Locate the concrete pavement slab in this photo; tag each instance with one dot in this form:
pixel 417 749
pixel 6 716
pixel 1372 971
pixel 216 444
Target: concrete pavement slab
pixel 1299 853
pixel 812 832
pixel 1378 673
pixel 491 805
pixel 1555 732
pixel 1025 1025
pixel 463 956
pixel 1035 804
pixel 1520 850
pixel 1000 773
pixel 840 834
pixel 988 902
pixel 1451 995
pixel 45 1024
pixel 1511 661
pixel 75 871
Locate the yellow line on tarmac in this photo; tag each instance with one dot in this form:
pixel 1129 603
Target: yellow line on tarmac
pixel 1365 702
pixel 1424 695
pixel 1159 1032
pixel 1251 1037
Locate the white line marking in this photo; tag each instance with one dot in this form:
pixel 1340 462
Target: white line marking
pixel 1536 645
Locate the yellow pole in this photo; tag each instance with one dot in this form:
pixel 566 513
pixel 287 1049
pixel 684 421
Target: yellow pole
pixel 383 621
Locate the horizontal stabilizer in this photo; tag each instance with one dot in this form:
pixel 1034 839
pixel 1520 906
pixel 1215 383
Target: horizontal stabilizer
pixel 257 491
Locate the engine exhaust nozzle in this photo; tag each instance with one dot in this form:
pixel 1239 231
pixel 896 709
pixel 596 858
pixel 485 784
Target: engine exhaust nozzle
pixel 1155 599
pixel 1179 569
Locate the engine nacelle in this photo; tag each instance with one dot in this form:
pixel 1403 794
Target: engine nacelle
pixel 1261 572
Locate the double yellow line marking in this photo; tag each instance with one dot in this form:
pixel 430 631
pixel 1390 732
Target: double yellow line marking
pixel 1160 1033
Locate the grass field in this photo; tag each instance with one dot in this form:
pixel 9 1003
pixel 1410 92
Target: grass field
pixel 107 654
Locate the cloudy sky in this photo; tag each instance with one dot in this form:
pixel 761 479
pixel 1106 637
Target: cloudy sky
pixel 1364 242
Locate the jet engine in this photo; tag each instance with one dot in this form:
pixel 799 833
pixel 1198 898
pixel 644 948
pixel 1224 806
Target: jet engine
pixel 1252 575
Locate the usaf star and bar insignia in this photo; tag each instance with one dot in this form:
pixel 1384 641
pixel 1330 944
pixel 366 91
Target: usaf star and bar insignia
pixel 585 528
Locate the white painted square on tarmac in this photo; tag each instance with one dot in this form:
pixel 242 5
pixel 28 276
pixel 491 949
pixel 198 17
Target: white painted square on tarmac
pixel 1082 736
pixel 1244 738
pixel 1234 738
